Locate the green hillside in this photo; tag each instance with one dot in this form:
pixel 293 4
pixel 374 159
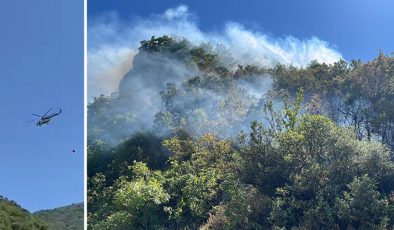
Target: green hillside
pixel 69 217
pixel 12 216
pixel 196 139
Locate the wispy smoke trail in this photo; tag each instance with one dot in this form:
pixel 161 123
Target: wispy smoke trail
pixel 113 42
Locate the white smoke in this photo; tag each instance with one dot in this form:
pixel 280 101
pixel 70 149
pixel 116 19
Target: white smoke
pixel 106 67
pixel 113 42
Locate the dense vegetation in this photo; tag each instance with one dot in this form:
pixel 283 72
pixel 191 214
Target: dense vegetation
pixel 196 141
pixel 14 217
pixel 65 218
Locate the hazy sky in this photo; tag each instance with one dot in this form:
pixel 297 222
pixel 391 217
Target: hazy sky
pixel 357 28
pixel 41 66
pixel 256 31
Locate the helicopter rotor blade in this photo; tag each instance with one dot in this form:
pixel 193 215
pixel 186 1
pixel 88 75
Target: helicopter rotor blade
pixel 57 113
pixel 35 119
pixel 37 115
pixel 47 112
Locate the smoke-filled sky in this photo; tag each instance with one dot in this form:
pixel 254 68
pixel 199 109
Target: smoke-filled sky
pixel 41 66
pixel 257 32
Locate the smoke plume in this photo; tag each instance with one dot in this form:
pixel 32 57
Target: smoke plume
pixel 113 42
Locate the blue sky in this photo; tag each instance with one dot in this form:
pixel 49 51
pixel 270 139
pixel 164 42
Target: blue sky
pixel 356 28
pixel 41 66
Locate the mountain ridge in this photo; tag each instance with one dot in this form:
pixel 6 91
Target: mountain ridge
pixel 13 216
pixel 68 217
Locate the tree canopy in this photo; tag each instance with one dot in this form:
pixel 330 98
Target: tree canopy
pixel 226 146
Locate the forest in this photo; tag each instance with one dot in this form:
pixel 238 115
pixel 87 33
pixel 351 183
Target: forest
pixel 69 217
pixel 196 140
pixel 13 216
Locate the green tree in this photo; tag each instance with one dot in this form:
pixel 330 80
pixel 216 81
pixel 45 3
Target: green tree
pixel 363 207
pixel 139 202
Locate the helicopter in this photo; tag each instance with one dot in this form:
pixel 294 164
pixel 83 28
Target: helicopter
pixel 44 119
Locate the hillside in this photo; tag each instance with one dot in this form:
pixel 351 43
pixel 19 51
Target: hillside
pixel 13 216
pixel 194 141
pixel 69 217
